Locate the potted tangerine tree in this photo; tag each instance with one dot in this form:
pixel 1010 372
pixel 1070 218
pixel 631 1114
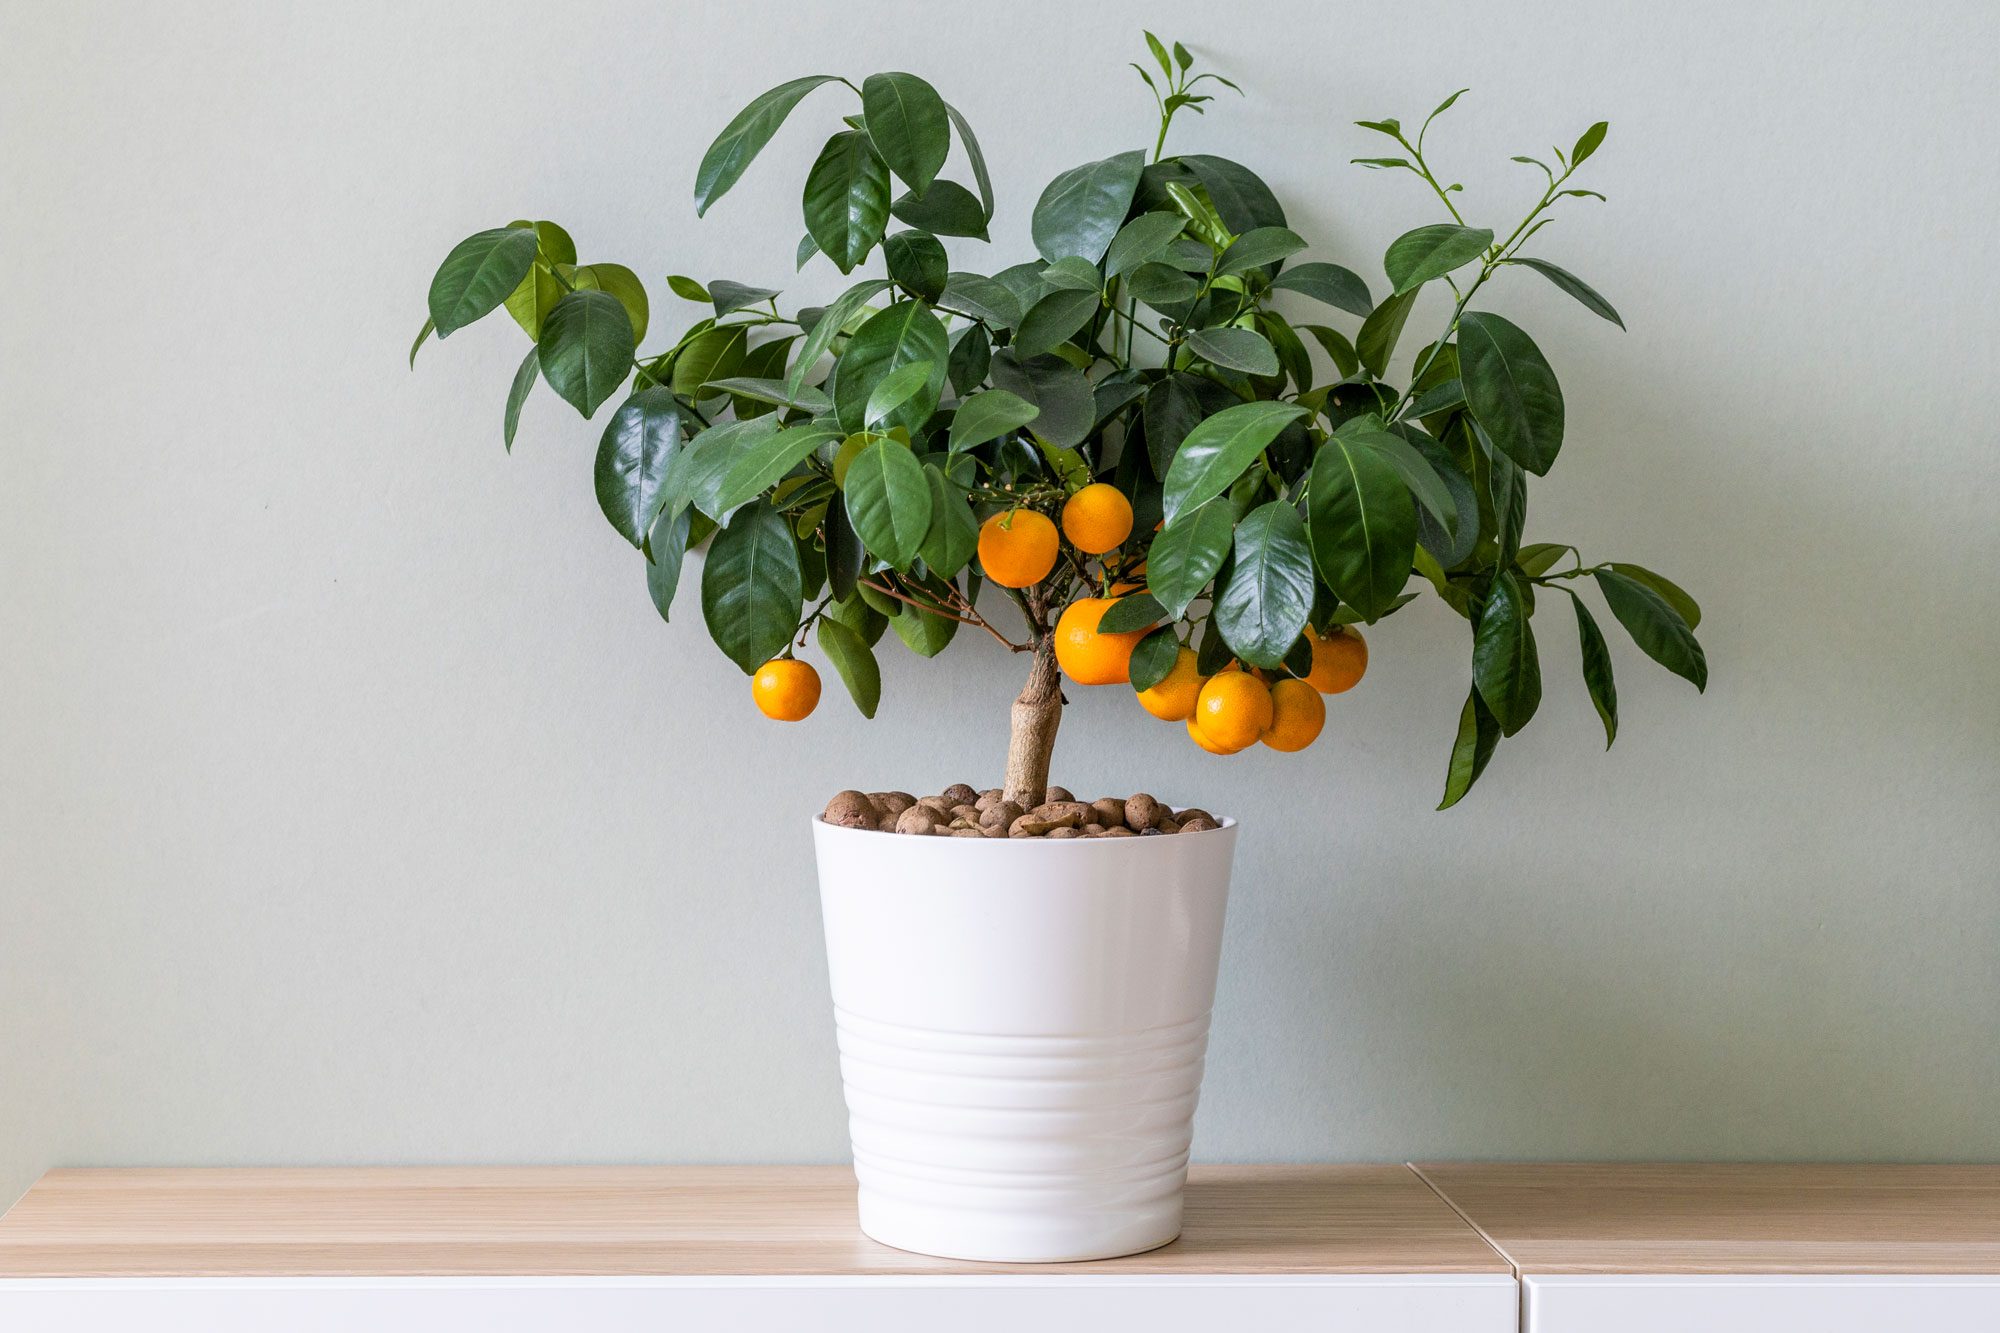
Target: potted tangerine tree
pixel 1120 460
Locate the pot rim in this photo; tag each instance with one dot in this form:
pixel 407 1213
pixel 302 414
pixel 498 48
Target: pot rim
pixel 1227 824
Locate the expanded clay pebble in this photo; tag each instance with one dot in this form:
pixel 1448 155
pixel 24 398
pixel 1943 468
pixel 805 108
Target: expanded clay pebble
pixel 960 812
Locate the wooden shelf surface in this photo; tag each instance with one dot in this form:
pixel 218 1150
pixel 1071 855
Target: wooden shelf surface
pixel 692 1221
pixel 1731 1219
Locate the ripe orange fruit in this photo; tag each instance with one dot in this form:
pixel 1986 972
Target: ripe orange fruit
pixel 1017 549
pixel 1203 741
pixel 785 689
pixel 1097 518
pixel 1339 659
pixel 1233 709
pixel 1173 698
pixel 1297 714
pixel 1087 656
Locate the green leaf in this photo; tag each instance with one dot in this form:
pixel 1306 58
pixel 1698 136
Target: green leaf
pixel 1073 274
pixel 1478 737
pixel 896 388
pixel 1438 398
pixel 971 357
pixel 531 302
pixel 855 661
pixel 1338 287
pixel 953 536
pixel 1081 210
pixel 1215 452
pixel 1418 256
pixel 423 336
pixel 1054 318
pixel 1263 607
pixel 1258 247
pixel 524 381
pixel 917 260
pixel 730 297
pixel 1450 544
pixel 638 446
pixel 830 324
pixel 478 275
pixel 1425 485
pixel 1506 488
pixel 1539 558
pixel 1172 410
pixel 889 501
pixel 978 161
pixel 1062 394
pixel 1338 349
pixel 620 282
pixel 1153 658
pixel 752 588
pixel 687 288
pixel 1654 625
pixel 1587 143
pixel 1376 342
pixel 1161 286
pixel 900 336
pixel 847 199
pixel 1186 554
pixel 697 476
pixel 987 416
pixel 1597 669
pixel 1135 612
pixel 922 632
pixel 1505 667
pixel 586 348
pixel 946 209
pixel 1363 525
pixel 711 356
pixel 844 554
pixel 982 298
pixel 762 464
pixel 1235 349
pixel 666 547
pixel 744 137
pixel 1671 592
pixel 1511 390
pixel 775 392
pixel 906 123
pixel 1141 240
pixel 1574 286
pixel 1240 196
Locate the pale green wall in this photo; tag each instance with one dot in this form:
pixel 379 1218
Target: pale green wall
pixel 354 806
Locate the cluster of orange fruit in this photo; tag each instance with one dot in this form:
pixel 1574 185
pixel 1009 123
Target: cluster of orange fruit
pixel 1226 712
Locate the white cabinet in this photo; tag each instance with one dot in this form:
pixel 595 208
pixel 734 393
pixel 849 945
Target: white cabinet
pixel 1760 1303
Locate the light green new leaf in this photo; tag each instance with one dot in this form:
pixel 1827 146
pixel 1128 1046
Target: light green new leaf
pixel 1215 453
pixel 1418 256
pixel 906 123
pixel 745 136
pixel 479 273
pixel 889 501
pixel 586 348
pixel 1505 666
pixel 855 661
pixel 622 283
pixel 987 416
pixel 752 587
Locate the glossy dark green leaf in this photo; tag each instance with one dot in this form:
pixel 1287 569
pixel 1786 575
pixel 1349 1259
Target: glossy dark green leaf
pixel 1081 210
pixel 1597 669
pixel 1292 354
pixel 1054 319
pixel 855 662
pixel 1426 487
pixel 982 298
pixel 1131 613
pixel 1654 625
pixel 762 463
pixel 1478 737
pixel 666 549
pixel 1671 592
pixel 905 384
pixel 638 446
pixel 752 588
pixel 1258 247
pixel 477 276
pixel 729 297
pixel 1062 394
pixel 1141 240
pixel 517 394
pixel 1416 257
pixel 1438 398
pixel 847 199
pixel 844 553
pixel 710 358
pixel 1153 658
pixel 1215 452
pixel 1338 287
pixel 953 536
pixel 698 474
pixel 1073 274
pixel 586 348
pixel 906 123
pixel 1511 390
pixel 1240 196
pixel 1585 294
pixel 1376 342
pixel 917 260
pixel 1235 349
pixel 775 392
pixel 1503 487
pixel 741 140
pixel 905 333
pixel 1263 607
pixel 1161 286
pixel 1213 653
pixel 1450 544
pixel 970 141
pixel 830 323
pixel 620 282
pixel 1505 667
pixel 1363 526
pixel 1337 348
pixel 946 209
pixel 971 357
pixel 987 416
pixel 1172 410
pixel 1186 554
pixel 889 501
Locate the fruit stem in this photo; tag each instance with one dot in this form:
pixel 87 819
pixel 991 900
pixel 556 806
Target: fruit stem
pixel 1037 714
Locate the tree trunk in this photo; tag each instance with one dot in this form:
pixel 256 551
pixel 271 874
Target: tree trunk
pixel 1037 714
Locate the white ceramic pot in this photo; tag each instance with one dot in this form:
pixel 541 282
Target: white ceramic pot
pixel 1022 1025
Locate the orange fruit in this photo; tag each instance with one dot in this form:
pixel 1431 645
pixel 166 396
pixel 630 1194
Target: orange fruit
pixel 1087 656
pixel 785 689
pixel 1097 518
pixel 1172 699
pixel 1018 548
pixel 1339 659
pixel 1297 714
pixel 1233 709
pixel 1203 741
